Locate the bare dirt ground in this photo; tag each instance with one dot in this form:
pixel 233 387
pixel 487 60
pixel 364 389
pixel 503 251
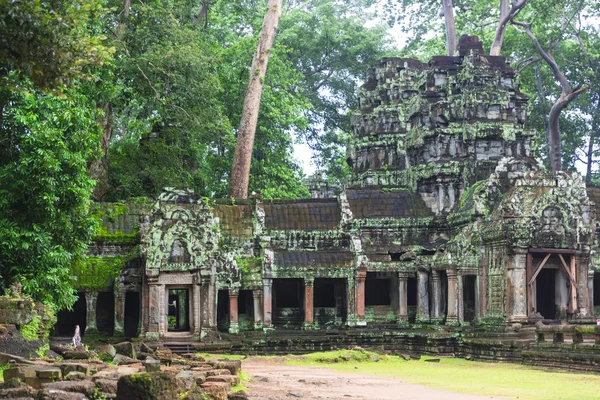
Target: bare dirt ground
pixel 271 379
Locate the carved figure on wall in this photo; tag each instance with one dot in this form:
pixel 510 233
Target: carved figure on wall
pixel 179 253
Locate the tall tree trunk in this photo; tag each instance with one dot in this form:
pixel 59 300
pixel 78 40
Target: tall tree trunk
pixel 98 168
pixel 238 184
pixel 590 155
pixel 566 96
pixel 541 93
pixel 450 28
pixel 506 15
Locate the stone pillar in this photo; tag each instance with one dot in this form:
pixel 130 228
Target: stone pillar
pixel 153 309
pixel 591 293
pixel 119 311
pixel 436 309
pixel 422 296
pixel 309 303
pixel 361 277
pixel 517 279
pixel 162 310
pixel 91 298
pixel 582 268
pixel 258 311
pixel 233 311
pixel 196 309
pixel 402 299
pixel 351 298
pixel 460 301
pixel 452 317
pixel 267 302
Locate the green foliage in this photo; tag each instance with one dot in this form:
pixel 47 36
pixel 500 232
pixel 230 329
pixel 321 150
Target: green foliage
pixel 345 356
pixel 31 330
pixel 99 273
pixel 49 42
pixel 46 142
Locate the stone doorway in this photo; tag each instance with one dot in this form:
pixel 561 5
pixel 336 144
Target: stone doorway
pixel 379 297
pixel 105 313
pixel 132 314
pixel 178 316
pixel 330 304
pixel 469 295
pixel 67 319
pixel 288 302
pixel 551 284
pixel 545 293
pixel 223 310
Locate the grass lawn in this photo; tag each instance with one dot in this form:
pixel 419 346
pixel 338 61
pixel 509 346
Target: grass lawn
pixel 509 380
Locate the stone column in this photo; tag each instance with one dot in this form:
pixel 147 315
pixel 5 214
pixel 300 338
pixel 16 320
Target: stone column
pixel 120 311
pixel 196 309
pixel 361 277
pixel 233 311
pixel 91 298
pixel 591 293
pixel 436 313
pixel 517 279
pixel 162 310
pixel 153 309
pixel 267 302
pixel 452 317
pixel 308 303
pixel 423 297
pixel 581 274
pixel 460 300
pixel 402 299
pixel 351 297
pixel 258 311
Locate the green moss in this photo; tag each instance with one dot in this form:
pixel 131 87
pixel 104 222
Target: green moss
pixel 31 330
pixel 99 273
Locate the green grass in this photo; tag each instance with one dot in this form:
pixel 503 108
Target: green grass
pixel 457 375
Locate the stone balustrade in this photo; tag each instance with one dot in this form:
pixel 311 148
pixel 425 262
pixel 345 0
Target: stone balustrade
pixel 559 332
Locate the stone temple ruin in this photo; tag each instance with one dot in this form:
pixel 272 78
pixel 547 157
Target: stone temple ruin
pixel 447 219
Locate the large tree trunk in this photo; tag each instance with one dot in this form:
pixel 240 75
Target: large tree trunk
pixel 506 15
pixel 98 168
pixel 590 155
pixel 238 184
pixel 566 96
pixel 450 28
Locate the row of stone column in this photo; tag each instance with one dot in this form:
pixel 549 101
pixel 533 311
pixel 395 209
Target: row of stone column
pixel 91 303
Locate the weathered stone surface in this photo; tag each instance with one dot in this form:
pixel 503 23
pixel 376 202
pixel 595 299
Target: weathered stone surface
pixel 216 390
pixel 22 392
pixel 85 387
pixel 153 386
pixel 188 379
pixel 57 394
pixel 239 395
pixel 80 354
pixel 108 386
pixel 233 366
pixel 126 349
pixel 232 379
pixel 152 365
pixel 107 352
pixel 67 367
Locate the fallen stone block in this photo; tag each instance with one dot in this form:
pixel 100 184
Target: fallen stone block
pixel 188 379
pixel 22 392
pixel 85 387
pixel 50 373
pixel 108 386
pixel 79 354
pixel 217 390
pixel 232 379
pixel 152 365
pixel 55 394
pixel 75 376
pixel 152 386
pixel 215 372
pixel 76 367
pixel 239 395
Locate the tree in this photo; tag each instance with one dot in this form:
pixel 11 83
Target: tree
pixel 242 158
pixel 48 133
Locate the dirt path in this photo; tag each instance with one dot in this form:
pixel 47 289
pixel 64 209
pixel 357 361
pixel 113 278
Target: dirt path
pixel 273 380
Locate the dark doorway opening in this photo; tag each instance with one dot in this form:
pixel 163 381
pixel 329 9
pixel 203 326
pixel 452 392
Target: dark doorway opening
pixel 545 290
pixel 469 297
pixel 105 313
pixel 67 319
pixel 223 310
pixel 132 314
pixel 411 300
pixel 245 310
pixel 596 289
pixel 377 290
pixel 178 316
pixel 331 307
pixel 288 299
